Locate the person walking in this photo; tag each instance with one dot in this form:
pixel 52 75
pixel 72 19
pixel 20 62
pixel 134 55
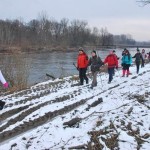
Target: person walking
pixel 126 63
pixel 95 62
pixel 112 62
pixel 148 57
pixel 138 59
pixel 5 85
pixel 82 64
pixel 143 58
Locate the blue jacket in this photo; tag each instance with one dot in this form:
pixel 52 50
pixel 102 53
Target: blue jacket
pixel 127 59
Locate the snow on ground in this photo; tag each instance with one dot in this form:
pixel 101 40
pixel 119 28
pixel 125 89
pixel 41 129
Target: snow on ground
pixel 56 115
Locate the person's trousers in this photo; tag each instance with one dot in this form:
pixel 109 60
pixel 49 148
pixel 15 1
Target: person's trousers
pixel 110 72
pixel 126 68
pixel 82 75
pixel 137 66
pixel 94 82
pixel 143 63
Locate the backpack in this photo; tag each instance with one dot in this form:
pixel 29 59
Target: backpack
pixel 112 59
pixel 138 57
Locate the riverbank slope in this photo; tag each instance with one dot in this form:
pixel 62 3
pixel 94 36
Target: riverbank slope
pixel 59 115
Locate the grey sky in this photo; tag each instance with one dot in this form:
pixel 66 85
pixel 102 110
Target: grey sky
pixel 119 16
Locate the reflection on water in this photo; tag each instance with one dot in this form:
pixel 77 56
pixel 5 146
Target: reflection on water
pixel 58 63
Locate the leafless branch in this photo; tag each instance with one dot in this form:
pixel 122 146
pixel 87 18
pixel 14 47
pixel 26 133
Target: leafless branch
pixel 144 2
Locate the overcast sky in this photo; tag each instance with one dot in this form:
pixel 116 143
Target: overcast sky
pixel 119 16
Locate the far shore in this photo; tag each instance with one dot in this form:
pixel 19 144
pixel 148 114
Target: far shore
pixel 36 49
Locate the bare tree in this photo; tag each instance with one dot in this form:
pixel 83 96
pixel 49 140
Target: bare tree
pixel 106 38
pixel 78 30
pixel 95 37
pixel 144 2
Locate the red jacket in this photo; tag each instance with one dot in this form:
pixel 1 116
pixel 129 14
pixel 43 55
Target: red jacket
pixel 82 61
pixel 111 60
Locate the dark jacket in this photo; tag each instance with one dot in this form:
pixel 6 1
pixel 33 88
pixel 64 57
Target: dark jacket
pixel 138 57
pixel 95 63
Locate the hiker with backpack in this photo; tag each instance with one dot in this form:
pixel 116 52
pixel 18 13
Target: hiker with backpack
pixel 112 62
pixel 82 64
pixel 5 85
pixel 126 63
pixel 138 59
pixel 95 62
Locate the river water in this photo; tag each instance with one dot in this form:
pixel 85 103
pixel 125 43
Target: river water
pixel 58 64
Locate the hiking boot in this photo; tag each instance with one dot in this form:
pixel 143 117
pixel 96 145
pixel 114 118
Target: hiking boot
pixel 87 81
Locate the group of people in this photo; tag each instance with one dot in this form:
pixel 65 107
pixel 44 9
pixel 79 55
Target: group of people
pixel 96 63
pixel 111 61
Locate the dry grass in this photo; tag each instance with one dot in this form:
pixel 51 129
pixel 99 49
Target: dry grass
pixel 16 71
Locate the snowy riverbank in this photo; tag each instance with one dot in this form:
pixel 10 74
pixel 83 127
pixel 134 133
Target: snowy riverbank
pixel 56 115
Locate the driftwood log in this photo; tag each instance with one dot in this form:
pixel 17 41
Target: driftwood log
pixel 72 122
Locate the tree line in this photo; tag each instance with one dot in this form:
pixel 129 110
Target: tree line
pixel 44 32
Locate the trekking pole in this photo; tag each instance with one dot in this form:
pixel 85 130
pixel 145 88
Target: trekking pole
pixel 118 72
pixel 75 66
pixel 89 73
pixel 101 78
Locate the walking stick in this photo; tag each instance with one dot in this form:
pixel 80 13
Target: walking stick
pixel 101 79
pixel 75 66
pixel 118 72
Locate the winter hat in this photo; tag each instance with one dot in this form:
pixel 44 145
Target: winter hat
pixel 137 49
pixel 81 49
pixel 94 52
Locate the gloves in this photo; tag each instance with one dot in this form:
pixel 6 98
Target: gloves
pixel 5 85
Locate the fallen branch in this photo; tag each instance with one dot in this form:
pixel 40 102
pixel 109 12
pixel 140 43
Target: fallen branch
pixel 84 146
